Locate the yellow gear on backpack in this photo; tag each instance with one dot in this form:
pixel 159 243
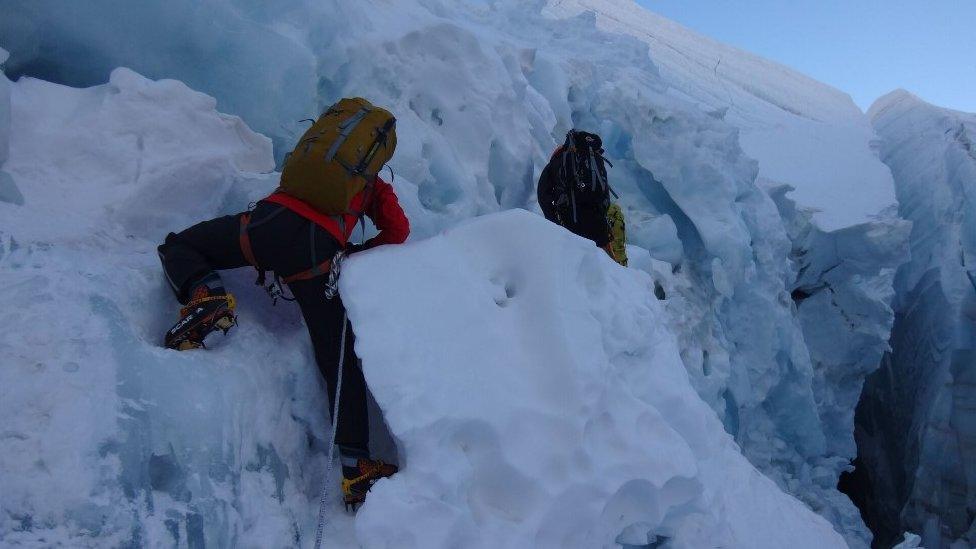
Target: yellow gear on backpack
pixel 339 155
pixel 618 237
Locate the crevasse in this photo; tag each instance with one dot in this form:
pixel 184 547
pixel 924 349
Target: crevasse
pixel 916 425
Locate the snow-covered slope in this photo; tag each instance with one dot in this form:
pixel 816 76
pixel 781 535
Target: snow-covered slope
pixel 917 424
pixel 545 404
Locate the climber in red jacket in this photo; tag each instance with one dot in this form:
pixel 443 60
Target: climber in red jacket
pixel 304 248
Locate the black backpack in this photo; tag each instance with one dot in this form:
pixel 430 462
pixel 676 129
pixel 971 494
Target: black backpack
pixel 581 179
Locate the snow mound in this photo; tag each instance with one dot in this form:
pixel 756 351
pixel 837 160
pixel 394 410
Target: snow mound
pixel 916 426
pixel 539 399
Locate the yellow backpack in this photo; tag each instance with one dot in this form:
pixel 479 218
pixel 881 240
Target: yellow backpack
pixel 339 155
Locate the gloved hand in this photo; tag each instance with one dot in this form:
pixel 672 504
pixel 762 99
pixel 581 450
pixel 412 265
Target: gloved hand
pixel 353 248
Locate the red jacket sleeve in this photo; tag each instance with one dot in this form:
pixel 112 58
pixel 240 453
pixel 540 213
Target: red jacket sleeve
pixel 385 212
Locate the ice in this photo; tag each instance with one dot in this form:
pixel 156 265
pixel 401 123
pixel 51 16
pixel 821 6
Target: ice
pixel 251 57
pixel 817 159
pixel 803 133
pixel 916 426
pixel 108 440
pixel 8 189
pixel 910 541
pixel 758 284
pixel 112 440
pixel 544 403
pixel 4 111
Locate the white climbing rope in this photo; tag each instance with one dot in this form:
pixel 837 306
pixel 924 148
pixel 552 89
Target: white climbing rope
pixel 324 494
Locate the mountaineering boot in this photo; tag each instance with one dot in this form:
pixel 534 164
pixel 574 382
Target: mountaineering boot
pixel 367 472
pixel 208 310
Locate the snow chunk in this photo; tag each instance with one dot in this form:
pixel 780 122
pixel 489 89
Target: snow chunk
pixel 539 399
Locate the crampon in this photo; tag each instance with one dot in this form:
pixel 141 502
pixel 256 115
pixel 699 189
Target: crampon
pixel 354 489
pixel 201 316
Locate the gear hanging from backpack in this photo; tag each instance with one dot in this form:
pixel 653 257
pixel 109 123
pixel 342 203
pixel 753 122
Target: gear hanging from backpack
pixel 582 174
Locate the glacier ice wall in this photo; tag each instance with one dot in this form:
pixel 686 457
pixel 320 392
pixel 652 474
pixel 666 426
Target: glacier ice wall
pixel 802 132
pixel 916 426
pixel 8 189
pixel 109 440
pixel 484 91
pixel 817 159
pixel 4 111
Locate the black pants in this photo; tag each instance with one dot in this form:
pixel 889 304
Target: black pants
pixel 287 244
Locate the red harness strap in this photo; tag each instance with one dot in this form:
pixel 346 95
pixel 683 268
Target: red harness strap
pixel 320 269
pixel 248 252
pixel 246 241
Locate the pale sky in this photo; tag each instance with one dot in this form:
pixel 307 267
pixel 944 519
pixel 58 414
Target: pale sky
pixel 863 47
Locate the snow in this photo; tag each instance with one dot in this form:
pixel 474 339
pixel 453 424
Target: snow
pixel 111 440
pixel 544 403
pixel 817 159
pixel 916 427
pixel 4 111
pixel 8 190
pixel 803 132
pixel 722 215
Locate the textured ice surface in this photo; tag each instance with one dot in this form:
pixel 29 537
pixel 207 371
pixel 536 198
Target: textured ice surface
pixel 250 56
pixel 107 439
pixel 4 111
pixel 917 424
pixel 483 92
pixel 546 403
pixel 817 159
pixel 803 133
pixel 8 189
